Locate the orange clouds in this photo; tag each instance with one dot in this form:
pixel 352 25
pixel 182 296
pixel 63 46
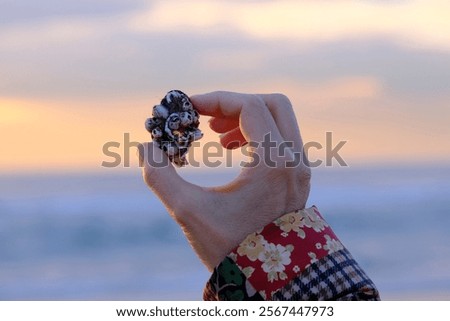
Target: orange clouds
pixel 49 135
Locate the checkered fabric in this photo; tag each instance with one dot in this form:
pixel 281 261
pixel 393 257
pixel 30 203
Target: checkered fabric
pixel 334 277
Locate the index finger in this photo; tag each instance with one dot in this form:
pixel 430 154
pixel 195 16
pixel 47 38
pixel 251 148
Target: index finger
pixel 255 119
pixel 219 103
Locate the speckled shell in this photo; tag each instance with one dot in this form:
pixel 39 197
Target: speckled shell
pixel 174 126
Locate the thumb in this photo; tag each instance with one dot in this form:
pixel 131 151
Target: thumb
pixel 162 178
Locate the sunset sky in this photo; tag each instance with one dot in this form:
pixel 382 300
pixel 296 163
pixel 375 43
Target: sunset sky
pixel 77 74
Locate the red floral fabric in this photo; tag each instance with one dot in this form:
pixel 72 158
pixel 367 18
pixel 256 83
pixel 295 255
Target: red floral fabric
pixel 274 255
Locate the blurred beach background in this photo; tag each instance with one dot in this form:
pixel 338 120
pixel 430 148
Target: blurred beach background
pixel 75 75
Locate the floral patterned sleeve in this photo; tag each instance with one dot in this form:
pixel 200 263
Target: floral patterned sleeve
pixel 296 257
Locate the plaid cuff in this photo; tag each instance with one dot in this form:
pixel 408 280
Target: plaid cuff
pixel 334 277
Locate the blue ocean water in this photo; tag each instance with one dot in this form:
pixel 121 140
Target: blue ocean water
pixel 103 236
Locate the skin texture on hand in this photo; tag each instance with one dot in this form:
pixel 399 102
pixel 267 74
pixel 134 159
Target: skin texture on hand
pixel 217 219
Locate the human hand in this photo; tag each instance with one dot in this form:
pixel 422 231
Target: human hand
pixel 217 219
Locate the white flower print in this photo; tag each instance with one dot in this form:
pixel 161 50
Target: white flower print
pixel 275 258
pixel 296 269
pixel 233 256
pixel 313 257
pixel 319 223
pixel 291 222
pixel 301 233
pixel 299 220
pixel 248 271
pixel 332 245
pixel 252 246
pixel 312 220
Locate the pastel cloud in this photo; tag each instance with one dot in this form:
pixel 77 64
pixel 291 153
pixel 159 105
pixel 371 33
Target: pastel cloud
pixel 415 23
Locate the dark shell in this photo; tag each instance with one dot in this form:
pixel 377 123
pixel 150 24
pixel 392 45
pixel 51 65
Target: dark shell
pixel 175 123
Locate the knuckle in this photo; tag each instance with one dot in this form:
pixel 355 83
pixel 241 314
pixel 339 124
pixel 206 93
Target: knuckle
pixel 255 102
pixel 280 99
pixel 281 102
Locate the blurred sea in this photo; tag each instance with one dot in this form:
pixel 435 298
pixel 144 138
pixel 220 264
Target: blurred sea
pixel 105 236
